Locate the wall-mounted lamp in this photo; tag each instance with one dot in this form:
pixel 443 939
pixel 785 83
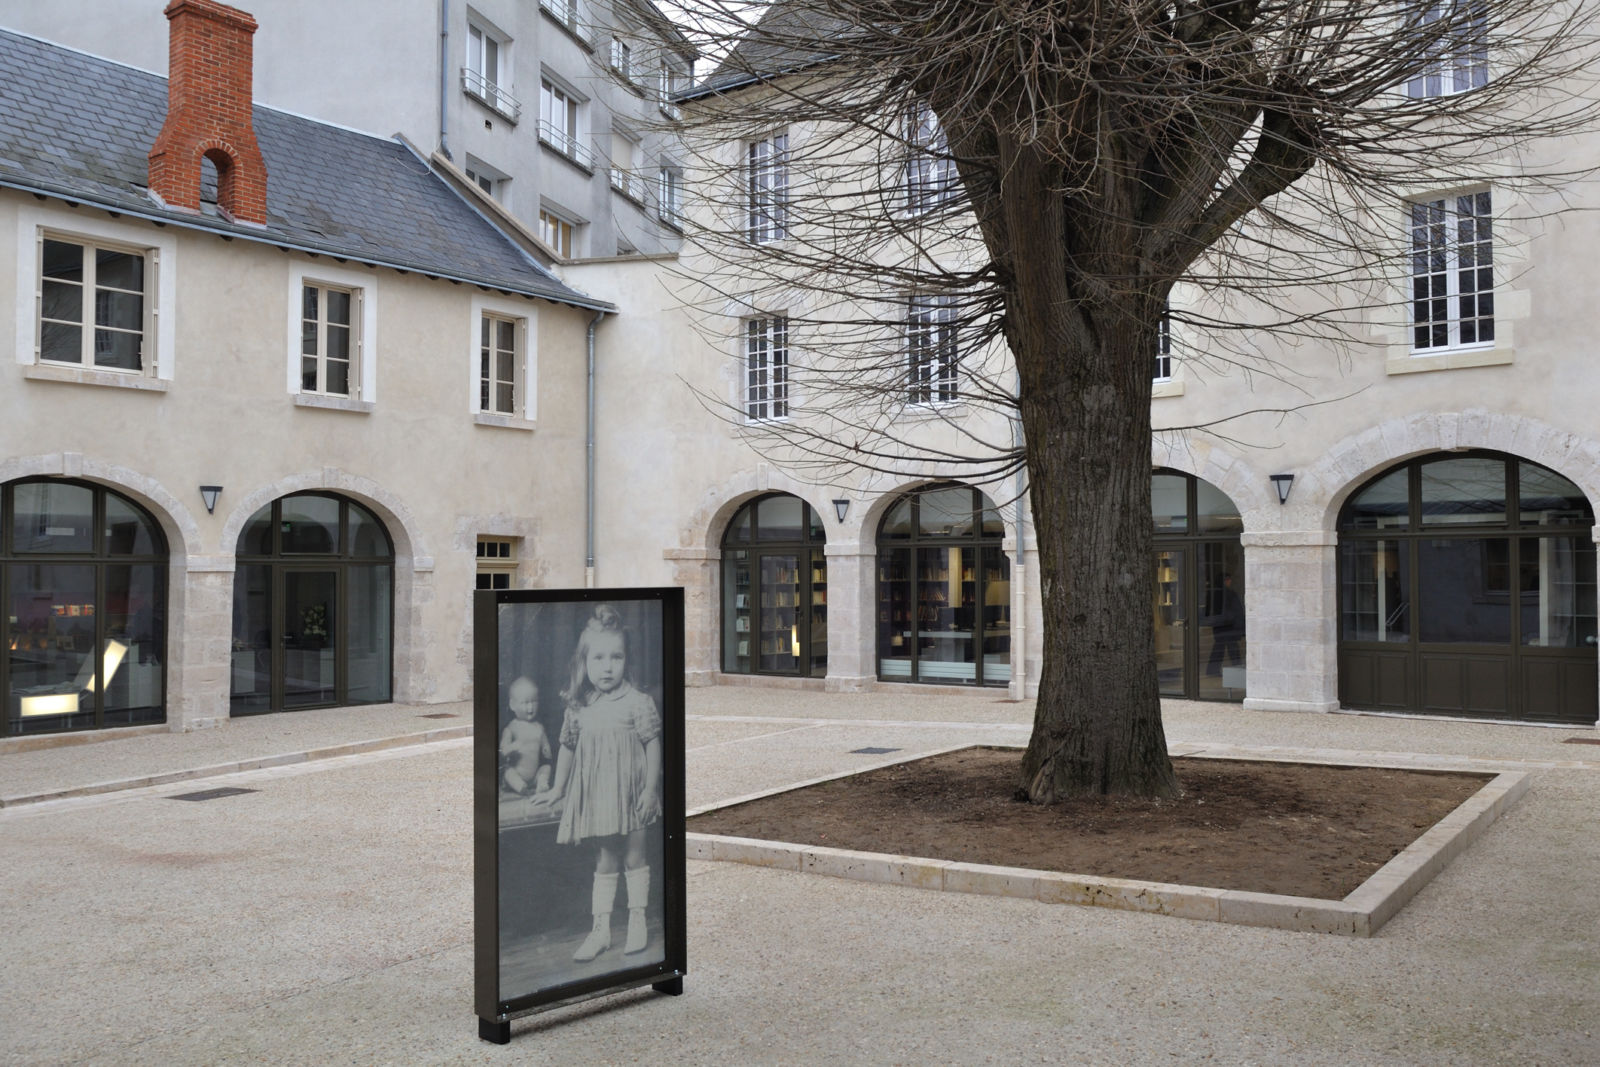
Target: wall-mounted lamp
pixel 1282 482
pixel 209 494
pixel 840 508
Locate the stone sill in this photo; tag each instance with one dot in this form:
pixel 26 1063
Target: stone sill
pixel 1167 388
pixel 1453 360
pixel 504 422
pixel 333 403
pixel 41 372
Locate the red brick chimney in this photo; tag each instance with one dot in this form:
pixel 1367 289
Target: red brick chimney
pixel 209 90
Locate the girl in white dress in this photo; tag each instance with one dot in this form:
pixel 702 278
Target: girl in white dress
pixel 609 771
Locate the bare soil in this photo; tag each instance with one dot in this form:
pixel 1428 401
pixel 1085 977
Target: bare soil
pixel 1292 828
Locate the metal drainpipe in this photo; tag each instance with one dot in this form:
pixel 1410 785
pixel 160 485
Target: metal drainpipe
pixel 1019 589
pixel 588 477
pixel 444 76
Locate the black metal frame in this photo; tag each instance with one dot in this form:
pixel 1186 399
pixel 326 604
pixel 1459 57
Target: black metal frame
pixel 97 558
pixel 805 550
pixel 495 1006
pixel 1186 544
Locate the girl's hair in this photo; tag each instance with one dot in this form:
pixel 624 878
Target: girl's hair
pixel 605 620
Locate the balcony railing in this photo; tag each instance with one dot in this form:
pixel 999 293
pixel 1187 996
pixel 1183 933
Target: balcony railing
pixel 629 184
pixel 566 144
pixel 565 14
pixel 476 85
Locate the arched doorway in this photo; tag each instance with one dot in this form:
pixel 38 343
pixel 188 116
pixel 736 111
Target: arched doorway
pixel 83 576
pixel 775 589
pixel 1467 587
pixel 1199 589
pixel 944 589
pixel 313 606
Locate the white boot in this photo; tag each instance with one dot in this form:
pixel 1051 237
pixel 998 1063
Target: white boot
pixel 599 939
pixel 638 897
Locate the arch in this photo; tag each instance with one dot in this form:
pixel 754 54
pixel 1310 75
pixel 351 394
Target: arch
pixel 774 588
pixel 397 517
pixel 704 527
pixel 1324 486
pixel 1199 588
pixel 177 522
pixel 1249 489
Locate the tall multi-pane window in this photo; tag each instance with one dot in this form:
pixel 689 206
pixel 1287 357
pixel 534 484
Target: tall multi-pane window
pixel 556 232
pixel 933 356
pixel 497 365
pixel 1163 369
pixel 766 362
pixel 1452 272
pixel 930 175
pixel 327 342
pixel 91 306
pixel 558 121
pixel 669 194
pixel 497 562
pixel 622 58
pixel 483 56
pixel 1457 51
pixel 767 185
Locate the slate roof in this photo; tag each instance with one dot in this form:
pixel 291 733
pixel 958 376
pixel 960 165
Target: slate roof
pixel 80 127
pixel 785 39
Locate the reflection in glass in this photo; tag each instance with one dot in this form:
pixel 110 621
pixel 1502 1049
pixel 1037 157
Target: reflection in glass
pixel 945 512
pixel 134 650
pixel 780 613
pixel 252 638
pixel 129 532
pixel 1221 647
pixel 896 628
pixel 897 523
pixel 1169 501
pixel 1466 490
pixel 1170 618
pixel 1464 589
pixel 779 518
pixel 367 637
pixel 310 525
pixel 1385 504
pixel 367 536
pixel 310 645
pixel 1558 609
pixel 819 613
pixel 52 517
pixel 1374 597
pixel 1548 499
pixel 1215 512
pixel 996 615
pixel 738 607
pixel 51 650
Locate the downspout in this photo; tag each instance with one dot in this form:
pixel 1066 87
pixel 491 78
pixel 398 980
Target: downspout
pixel 444 76
pixel 1019 588
pixel 588 477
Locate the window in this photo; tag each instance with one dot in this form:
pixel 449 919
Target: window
pixel 1457 48
pixel 558 123
pixel 92 306
pixel 932 354
pixel 568 15
pixel 767 178
pixel 666 85
pixel 669 194
pixel 622 58
pixel 497 365
pixel 485 177
pixel 1452 272
pixel 332 334
pixel 775 589
pixel 930 178
pixel 1163 371
pixel 556 232
pixel 497 562
pixel 326 339
pixel 487 73
pixel 766 369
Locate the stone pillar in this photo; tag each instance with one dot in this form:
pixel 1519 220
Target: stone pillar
pixel 1291 621
pixel 852 618
pixel 200 642
pixel 698 571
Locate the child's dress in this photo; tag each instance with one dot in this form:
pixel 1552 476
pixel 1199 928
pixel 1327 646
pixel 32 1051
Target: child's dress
pixel 607 738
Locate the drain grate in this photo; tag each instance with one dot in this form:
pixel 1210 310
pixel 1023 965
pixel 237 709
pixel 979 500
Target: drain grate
pixel 1582 741
pixel 440 715
pixel 213 794
pixel 871 750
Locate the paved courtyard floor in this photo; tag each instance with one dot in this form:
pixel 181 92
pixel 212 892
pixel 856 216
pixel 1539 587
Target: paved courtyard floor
pixel 327 916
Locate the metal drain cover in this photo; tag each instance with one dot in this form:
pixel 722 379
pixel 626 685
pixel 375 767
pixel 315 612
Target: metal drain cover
pixel 213 794
pixel 1582 741
pixel 871 751
pixel 440 715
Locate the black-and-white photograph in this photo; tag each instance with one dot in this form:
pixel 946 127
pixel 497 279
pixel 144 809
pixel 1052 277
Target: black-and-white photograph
pixel 581 872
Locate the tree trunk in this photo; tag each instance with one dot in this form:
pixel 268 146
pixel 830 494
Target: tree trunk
pixel 1084 356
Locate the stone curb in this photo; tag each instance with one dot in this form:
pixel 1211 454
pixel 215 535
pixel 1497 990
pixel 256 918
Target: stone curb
pixel 350 748
pixel 1361 914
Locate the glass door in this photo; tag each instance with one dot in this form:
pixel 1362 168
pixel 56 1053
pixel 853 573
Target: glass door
pixel 1220 636
pixel 780 613
pixel 310 636
pixel 1171 615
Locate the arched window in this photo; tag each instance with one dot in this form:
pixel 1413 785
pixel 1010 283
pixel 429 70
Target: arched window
pixel 1467 587
pixel 83 575
pixel 1198 590
pixel 775 589
pixel 313 606
pixel 944 589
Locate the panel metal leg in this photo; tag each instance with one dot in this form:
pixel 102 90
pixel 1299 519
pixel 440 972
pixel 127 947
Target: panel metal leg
pixel 672 987
pixel 498 1032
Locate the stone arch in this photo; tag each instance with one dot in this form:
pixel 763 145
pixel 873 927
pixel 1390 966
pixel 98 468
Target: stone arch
pixel 177 522
pixel 718 504
pixel 1249 489
pixel 413 563
pixel 1349 463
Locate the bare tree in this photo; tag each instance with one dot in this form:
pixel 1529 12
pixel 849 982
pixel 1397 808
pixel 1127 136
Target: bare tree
pixel 1016 186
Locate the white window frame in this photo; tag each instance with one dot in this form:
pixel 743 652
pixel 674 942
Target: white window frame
pixel 487 74
pixel 158 350
pixel 556 219
pixel 667 79
pixel 363 344
pixel 669 194
pixel 622 59
pixel 929 180
pixel 1458 61
pixel 492 181
pixel 766 181
pixel 497 556
pixel 1163 365
pixel 561 121
pixel 525 386
pixel 764 344
pixel 1452 255
pixel 933 350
